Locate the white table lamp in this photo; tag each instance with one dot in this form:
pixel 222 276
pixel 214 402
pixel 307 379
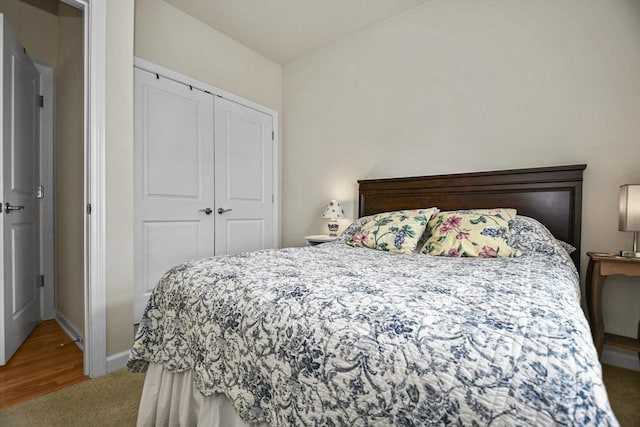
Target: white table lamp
pixel 332 212
pixel 630 215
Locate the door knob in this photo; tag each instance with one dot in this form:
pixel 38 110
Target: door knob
pixel 221 211
pixel 206 211
pixel 8 208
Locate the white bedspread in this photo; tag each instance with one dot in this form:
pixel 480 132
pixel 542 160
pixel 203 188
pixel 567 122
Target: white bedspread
pixel 336 335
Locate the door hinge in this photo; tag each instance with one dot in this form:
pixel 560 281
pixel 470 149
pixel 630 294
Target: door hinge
pixel 41 101
pixel 42 281
pixel 273 198
pixel 88 208
pixel 40 192
pixel 273 135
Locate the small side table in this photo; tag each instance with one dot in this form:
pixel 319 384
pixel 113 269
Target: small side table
pixel 602 265
pixel 321 238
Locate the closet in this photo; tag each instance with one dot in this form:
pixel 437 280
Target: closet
pixel 205 175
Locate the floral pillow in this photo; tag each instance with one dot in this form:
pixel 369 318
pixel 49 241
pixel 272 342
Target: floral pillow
pixel 353 228
pixel 471 233
pixel 397 231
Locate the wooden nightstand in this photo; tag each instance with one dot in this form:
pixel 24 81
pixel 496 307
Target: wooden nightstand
pixel 321 238
pixel 602 265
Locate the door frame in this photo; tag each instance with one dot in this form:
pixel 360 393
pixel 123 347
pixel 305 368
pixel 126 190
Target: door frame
pixel 95 307
pixel 47 269
pixel 153 68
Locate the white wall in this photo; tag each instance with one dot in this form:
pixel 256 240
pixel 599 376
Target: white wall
pixel 69 168
pixel 119 175
pixel 457 86
pixel 171 38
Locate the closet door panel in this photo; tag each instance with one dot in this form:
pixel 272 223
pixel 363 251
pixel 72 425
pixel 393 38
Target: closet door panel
pixel 174 179
pixel 171 146
pixel 244 178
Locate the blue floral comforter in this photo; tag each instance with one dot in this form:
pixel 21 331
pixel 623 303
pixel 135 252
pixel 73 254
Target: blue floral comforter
pixel 336 335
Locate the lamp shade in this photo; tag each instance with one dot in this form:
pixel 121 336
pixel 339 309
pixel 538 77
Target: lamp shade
pixel 629 219
pixel 333 210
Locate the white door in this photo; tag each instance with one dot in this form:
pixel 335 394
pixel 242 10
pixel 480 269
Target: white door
pixel 173 179
pixel 20 220
pixel 244 178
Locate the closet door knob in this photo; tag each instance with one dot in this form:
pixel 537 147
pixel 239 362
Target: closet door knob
pixel 206 211
pixel 221 211
pixel 8 208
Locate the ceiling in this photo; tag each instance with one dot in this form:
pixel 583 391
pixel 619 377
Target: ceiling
pixel 281 30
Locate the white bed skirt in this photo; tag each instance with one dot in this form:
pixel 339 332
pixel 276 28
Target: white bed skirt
pixel 171 399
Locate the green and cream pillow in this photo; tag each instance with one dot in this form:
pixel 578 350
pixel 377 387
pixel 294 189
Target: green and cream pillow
pixel 397 231
pixel 471 233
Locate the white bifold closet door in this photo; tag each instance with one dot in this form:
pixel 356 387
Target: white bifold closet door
pixel 173 179
pixel 204 179
pixel 244 178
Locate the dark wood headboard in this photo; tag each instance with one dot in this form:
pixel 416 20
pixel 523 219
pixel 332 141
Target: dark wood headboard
pixel 552 195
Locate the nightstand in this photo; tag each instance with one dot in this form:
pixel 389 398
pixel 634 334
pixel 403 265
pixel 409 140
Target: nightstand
pixel 319 239
pixel 602 265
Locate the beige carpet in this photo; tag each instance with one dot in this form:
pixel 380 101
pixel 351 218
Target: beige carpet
pixel 623 387
pixel 112 400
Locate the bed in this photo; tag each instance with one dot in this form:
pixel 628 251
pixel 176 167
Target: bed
pixel 338 334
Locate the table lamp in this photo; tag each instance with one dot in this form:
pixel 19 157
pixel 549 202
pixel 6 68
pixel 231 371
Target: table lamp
pixel 630 215
pixel 332 212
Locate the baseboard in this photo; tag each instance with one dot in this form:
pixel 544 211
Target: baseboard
pixel 117 361
pixel 71 330
pixel 620 358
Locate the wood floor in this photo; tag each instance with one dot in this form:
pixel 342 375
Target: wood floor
pixel 47 361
